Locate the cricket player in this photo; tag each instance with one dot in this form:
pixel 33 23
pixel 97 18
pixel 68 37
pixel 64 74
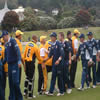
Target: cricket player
pixel 75 44
pixel 5 66
pixel 13 58
pixel 56 52
pixel 18 39
pixel 42 79
pixel 92 44
pixel 48 64
pixel 30 54
pixel 98 60
pixel 82 52
pixel 2 75
pixel 66 62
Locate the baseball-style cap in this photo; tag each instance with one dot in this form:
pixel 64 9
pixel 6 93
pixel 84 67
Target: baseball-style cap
pixel 82 36
pixel 53 34
pixel 89 33
pixel 76 31
pixel 18 32
pixel 4 33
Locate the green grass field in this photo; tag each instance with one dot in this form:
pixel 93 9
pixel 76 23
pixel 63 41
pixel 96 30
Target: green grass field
pixel 95 30
pixel 90 94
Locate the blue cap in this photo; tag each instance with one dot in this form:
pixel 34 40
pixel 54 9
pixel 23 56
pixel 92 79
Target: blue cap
pixel 82 36
pixel 4 33
pixel 89 33
pixel 53 34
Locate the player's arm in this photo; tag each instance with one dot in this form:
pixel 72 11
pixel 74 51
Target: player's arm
pixel 61 55
pixel 5 56
pixel 15 45
pixel 50 54
pixel 78 53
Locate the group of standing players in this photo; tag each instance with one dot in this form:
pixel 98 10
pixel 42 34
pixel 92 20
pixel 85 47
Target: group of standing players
pixel 59 57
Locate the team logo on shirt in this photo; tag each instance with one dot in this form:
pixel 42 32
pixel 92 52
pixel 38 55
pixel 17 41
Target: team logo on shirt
pixel 0 49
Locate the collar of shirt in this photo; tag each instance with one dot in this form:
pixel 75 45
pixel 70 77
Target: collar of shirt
pixel 54 42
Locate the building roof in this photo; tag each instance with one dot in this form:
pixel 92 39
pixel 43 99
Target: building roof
pixel 3 11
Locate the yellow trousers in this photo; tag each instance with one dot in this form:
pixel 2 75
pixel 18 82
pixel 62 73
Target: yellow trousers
pixel 45 75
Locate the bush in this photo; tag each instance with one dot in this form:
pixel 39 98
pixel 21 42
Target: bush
pixel 46 23
pixel 66 22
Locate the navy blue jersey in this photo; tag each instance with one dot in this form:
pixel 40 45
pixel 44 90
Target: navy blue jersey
pixel 67 49
pixel 56 51
pixel 12 52
pixel 83 49
pixel 93 44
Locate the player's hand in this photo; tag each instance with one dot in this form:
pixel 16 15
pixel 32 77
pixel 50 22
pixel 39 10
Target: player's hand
pixel 43 65
pixel 19 65
pixel 70 62
pixel 57 62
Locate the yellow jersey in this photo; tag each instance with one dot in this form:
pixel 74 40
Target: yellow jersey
pixel 31 49
pixel 2 54
pixel 20 46
pixel 47 47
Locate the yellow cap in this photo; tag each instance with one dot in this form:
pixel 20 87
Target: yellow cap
pixel 2 41
pixel 76 31
pixel 42 37
pixel 18 32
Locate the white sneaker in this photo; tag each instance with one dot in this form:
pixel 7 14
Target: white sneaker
pixel 69 91
pixel 94 86
pixel 60 94
pixel 32 97
pixel 81 89
pixel 50 94
pixel 46 93
pixel 24 94
pixel 88 87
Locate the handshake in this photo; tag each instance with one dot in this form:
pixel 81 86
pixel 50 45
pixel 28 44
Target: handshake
pixel 90 63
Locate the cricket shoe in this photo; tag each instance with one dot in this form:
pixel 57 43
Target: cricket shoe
pixel 69 91
pixel 80 89
pixel 94 86
pixel 60 94
pixel 88 87
pixel 49 94
pixel 32 97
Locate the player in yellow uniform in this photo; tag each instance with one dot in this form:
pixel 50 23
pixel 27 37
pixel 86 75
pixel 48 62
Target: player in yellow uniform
pixel 18 40
pixel 30 53
pixel 5 67
pixel 48 64
pixel 2 73
pixel 42 79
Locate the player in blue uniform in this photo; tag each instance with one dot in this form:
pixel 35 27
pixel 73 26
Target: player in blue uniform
pixel 66 62
pixel 98 59
pixel 57 69
pixel 92 44
pixel 82 52
pixel 13 58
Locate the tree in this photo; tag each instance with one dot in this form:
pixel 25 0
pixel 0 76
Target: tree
pixel 83 18
pixel 30 21
pixel 10 21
